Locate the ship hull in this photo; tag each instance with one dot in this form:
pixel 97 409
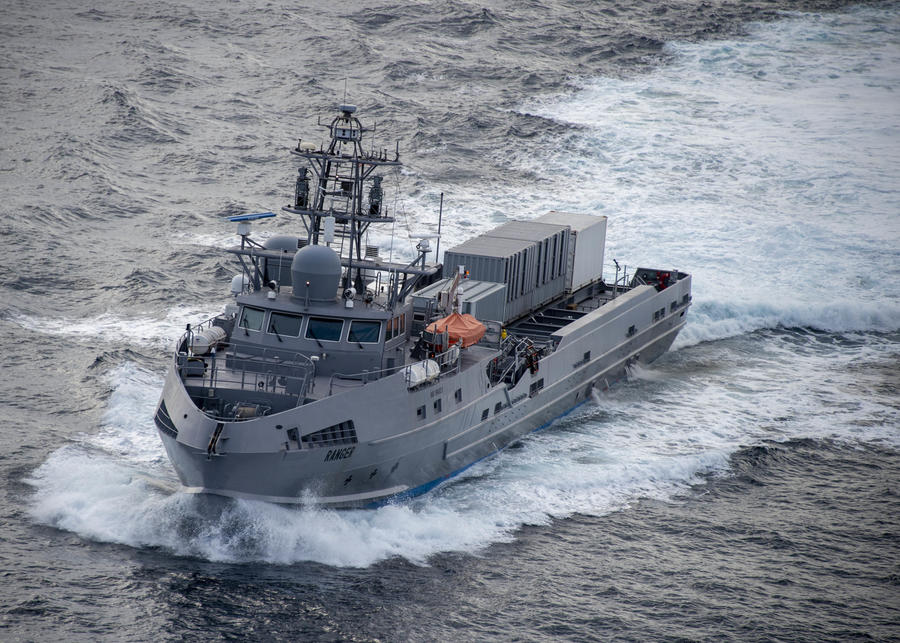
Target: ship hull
pixel 410 440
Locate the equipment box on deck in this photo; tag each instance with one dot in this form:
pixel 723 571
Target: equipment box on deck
pixel 587 241
pixel 551 243
pixel 484 300
pixel 505 261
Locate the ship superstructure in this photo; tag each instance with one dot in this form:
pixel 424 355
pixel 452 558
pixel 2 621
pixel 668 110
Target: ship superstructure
pixel 337 377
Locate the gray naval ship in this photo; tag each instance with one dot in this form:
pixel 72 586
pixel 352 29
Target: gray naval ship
pixel 339 378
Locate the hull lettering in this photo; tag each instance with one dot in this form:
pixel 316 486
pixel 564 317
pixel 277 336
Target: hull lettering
pixel 339 454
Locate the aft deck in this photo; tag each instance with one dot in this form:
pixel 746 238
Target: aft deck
pixel 540 325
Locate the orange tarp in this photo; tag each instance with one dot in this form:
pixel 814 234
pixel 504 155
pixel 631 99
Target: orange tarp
pixel 460 327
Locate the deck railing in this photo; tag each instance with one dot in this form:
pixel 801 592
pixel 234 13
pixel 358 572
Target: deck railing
pixel 448 362
pixel 270 372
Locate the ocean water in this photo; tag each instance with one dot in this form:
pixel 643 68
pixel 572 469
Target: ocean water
pixel 744 487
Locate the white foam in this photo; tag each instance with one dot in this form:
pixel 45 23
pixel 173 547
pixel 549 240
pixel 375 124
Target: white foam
pixel 135 331
pixel 768 167
pixel 103 498
pixel 116 486
pixel 651 437
pixel 713 320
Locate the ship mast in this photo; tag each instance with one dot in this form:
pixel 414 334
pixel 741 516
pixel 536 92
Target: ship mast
pixel 342 197
pixel 338 201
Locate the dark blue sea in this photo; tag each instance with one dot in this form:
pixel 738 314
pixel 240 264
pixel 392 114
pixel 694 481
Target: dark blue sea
pixel 744 487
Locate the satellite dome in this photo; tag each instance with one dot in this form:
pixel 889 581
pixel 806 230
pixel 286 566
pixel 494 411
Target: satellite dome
pixel 321 267
pixel 283 242
pixel 279 267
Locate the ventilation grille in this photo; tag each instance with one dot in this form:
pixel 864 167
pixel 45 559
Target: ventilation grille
pixel 343 433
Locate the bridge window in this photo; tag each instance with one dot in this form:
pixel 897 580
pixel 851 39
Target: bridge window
pixel 324 329
pixel 365 332
pixel 285 324
pixel 252 318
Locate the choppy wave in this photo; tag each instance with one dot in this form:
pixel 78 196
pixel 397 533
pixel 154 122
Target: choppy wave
pixel 115 486
pixel 767 167
pixel 112 329
pixel 653 437
pixel 727 162
pixel 713 320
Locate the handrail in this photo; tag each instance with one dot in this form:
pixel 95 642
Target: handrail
pixel 250 372
pixel 365 376
pixel 184 342
pixel 518 350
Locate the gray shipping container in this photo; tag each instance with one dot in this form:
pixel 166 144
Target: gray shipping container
pixel 537 260
pixel 587 241
pixel 551 241
pixel 505 261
